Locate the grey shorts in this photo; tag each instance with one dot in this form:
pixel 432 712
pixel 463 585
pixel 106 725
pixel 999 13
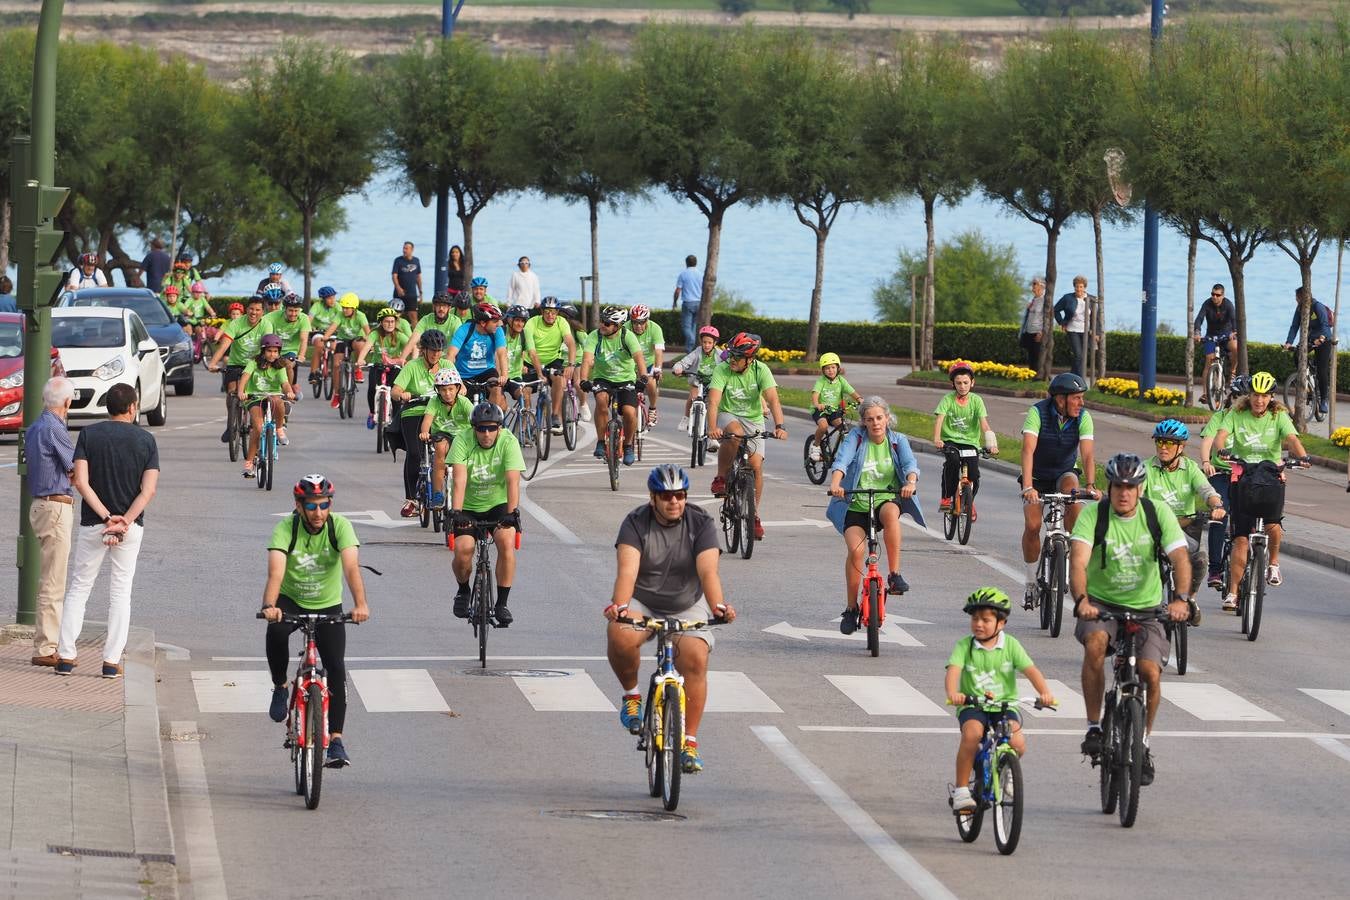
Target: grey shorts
pixel 1151 644
pixel 699 612
pixel 755 445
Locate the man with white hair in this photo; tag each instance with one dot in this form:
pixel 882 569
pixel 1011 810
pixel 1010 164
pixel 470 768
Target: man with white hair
pixel 51 462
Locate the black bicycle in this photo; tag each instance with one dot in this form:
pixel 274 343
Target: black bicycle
pixel 482 596
pixel 738 504
pixel 818 463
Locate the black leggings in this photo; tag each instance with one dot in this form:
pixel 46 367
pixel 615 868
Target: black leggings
pixel 951 473
pixel 412 453
pixel 373 379
pixel 332 643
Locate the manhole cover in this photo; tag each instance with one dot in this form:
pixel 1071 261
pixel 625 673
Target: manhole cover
pixel 623 815
pixel 519 673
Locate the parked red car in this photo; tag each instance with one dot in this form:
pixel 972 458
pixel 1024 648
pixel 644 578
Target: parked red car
pixel 11 372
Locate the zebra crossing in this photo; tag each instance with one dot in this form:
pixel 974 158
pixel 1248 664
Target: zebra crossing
pixel 575 690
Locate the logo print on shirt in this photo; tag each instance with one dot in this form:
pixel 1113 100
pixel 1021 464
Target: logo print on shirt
pixel 307 561
pixel 984 681
pixel 481 472
pixel 478 352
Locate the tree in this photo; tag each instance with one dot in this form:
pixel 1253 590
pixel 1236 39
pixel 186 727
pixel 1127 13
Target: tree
pixel 307 120
pixel 915 126
pixel 852 7
pixel 977 281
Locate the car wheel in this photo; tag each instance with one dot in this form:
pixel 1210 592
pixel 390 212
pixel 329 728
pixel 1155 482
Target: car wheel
pixel 160 413
pixel 185 389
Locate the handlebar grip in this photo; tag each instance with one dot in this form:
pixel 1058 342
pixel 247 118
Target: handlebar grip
pixel 259 615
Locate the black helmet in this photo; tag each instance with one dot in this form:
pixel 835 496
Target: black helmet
pixel 1125 468
pixel 1067 383
pixel 440 297
pixel 432 339
pixel 486 413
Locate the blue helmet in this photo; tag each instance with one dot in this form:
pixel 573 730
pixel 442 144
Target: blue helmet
pixel 668 477
pixel 550 303
pixel 1171 430
pixel 327 291
pixel 480 281
pixel 275 269
pixel 274 292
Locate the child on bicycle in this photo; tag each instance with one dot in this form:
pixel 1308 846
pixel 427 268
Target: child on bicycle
pixel 983 669
pixel 698 363
pixel 827 399
pixel 447 416
pixel 961 421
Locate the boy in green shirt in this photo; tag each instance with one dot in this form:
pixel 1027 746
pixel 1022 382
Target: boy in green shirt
pixel 446 418
pixel 293 327
pixel 827 400
pixel 1174 480
pixel 264 380
pixel 962 421
pixel 982 669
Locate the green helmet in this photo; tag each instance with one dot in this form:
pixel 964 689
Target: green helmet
pixel 988 598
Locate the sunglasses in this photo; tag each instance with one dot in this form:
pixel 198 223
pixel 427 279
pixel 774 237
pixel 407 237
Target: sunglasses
pixel 313 506
pixel 486 429
pixel 1164 442
pixel 670 496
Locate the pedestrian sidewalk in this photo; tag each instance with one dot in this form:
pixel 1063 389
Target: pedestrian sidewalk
pixel 83 807
pixel 1317 509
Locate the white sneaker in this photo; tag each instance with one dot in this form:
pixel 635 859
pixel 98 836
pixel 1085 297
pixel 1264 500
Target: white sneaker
pixel 814 452
pixel 1230 603
pixel 713 445
pixel 962 802
pixel 1273 576
pixel 585 413
pixel 684 424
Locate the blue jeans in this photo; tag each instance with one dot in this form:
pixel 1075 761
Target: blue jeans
pixel 1219 481
pixel 688 321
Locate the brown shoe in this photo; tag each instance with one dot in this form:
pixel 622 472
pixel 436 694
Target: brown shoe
pixel 50 660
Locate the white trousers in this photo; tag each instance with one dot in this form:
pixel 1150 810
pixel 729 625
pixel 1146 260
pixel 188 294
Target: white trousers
pixel 89 553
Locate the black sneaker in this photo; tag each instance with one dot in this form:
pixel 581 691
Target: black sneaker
pixel 1146 771
pixel 225 436
pixel 461 604
pixel 337 755
pixel 1029 597
pixel 278 708
pixel 896 584
pixel 848 623
pixel 502 615
pixel 1092 742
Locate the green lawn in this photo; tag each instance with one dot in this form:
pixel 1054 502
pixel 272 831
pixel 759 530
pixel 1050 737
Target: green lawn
pixel 960 8
pixel 1320 446
pixel 1161 412
pixel 1011 384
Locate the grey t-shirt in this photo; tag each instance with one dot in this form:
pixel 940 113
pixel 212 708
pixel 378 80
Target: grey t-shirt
pixel 118 454
pixel 667 581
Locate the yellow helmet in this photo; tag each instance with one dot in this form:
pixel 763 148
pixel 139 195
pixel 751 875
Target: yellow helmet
pixel 349 300
pixel 829 359
pixel 1263 383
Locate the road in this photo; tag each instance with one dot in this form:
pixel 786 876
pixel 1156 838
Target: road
pixel 827 771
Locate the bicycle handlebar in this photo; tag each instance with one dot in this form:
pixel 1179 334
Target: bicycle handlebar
pixel 1293 462
pixel 652 623
pixel 981 452
pixel 1074 496
pixel 1002 705
pixel 311 619
pixel 748 436
pixel 1152 615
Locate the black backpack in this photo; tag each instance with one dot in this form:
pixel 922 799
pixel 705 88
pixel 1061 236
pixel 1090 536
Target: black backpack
pixel 1150 519
pixel 295 533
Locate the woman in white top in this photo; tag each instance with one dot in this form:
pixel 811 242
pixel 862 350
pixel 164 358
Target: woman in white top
pixel 87 275
pixel 524 287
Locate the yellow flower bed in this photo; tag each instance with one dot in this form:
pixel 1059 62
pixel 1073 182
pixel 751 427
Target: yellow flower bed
pixel 781 356
pixel 1129 388
pixel 1000 370
pixel 1341 437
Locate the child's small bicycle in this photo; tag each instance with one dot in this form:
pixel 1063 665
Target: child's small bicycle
pixel 872 588
pixel 996 780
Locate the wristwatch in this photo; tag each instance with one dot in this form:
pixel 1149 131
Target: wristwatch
pixel 107 519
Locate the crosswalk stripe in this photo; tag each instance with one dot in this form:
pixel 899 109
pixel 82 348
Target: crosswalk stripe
pixel 1212 703
pixel 1339 700
pixel 220 691
pixel 735 692
pixel 1070 702
pixel 398 690
pixel 886 695
pixel 574 692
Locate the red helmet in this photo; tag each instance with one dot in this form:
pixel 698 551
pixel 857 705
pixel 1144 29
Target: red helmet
pixel 486 312
pixel 235 305
pixel 960 367
pixel 88 259
pixel 312 487
pixel 744 345
pixel 639 313
pixel 171 291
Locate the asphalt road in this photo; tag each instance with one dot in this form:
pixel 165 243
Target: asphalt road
pixel 473 784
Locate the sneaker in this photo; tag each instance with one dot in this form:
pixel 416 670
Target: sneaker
pixel 585 413
pixel 1216 579
pixel 690 761
pixel 49 661
pixel 719 486
pixel 248 470
pixel 111 670
pixel 962 803
pixel 314 378
pixel 503 616
pixel 360 375
pixel 1204 398
pixel 409 510
pixel 337 400
pixel 945 504
pixel 1230 603
pixel 630 712
pixel 651 418
pixel 848 622
pixel 684 424
pixel 437 499
pixel 225 435
pixel 599 450
pixel 896 584
pixel 370 422
pixel 628 457
pixel 713 445
pixel 1092 742
pixel 1029 597
pixel 1273 576
pixel 65 667
pixel 337 754
pixel 1322 408
pixel 461 609
pixel 1146 771
pixel 277 708
pixel 813 453
pixel 282 439
pixel 759 529
pixel 555 425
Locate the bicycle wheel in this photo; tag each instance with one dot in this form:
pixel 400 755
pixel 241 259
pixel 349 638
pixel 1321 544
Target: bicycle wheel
pixel 731 520
pixel 1214 386
pixel 342 392
pixel 1059 585
pixel 293 741
pixel 672 742
pixel 327 380
pixel 1256 593
pixel 963 521
pixel 1106 762
pixel 1314 407
pixel 269 454
pixel 873 617
pixel 570 414
pixel 349 389
pixel 650 728
pixel 1177 635
pixel 312 752
pixel 1291 395
pixel 831 442
pixel 484 609
pixel 748 512
pixel 949 521
pixel 613 437
pixel 232 426
pixel 1008 802
pixel 316 388
pixel 529 443
pixel 698 438
pixel 816 469
pixel 969 826
pixel 543 421
pixel 380 422
pixel 1132 759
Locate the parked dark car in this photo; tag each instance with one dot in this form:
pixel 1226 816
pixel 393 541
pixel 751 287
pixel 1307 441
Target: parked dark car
pixel 175 347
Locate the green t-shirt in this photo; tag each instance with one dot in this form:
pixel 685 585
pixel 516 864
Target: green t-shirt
pixel 961 424
pixel 418 380
pixel 195 307
pixel 447 328
pixel 275 323
pixel 741 392
pixel 245 339
pixel 613 356
pixel 832 393
pixel 486 468
pixel 546 340
pixel 1130 577
pixel 1032 423
pixel 271 380
pixel 351 327
pixel 452 420
pixel 515 356
pixel 650 339
pixel 313 576
pixel 1179 490
pixel 1258 438
pixel 1211 429
pixel 878 474
pixel 707 362
pixel 991 669
pixel 391 344
pixel 322 315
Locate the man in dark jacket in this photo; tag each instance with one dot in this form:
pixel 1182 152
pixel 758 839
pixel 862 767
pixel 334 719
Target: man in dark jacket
pixel 1320 320
pixel 155 265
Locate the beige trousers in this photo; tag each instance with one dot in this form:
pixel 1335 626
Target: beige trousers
pixel 51 523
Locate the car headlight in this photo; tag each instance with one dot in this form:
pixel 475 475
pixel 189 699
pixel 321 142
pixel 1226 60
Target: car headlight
pixel 182 347
pixel 11 409
pixel 110 369
pixel 13 381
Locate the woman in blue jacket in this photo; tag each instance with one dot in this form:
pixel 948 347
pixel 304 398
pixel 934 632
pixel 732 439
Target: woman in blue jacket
pixel 872 456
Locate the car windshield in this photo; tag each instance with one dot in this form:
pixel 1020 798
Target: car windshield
pixel 87 331
pixel 11 340
pixel 150 309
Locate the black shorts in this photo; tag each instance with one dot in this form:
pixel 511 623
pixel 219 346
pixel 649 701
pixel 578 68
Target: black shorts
pixel 975 714
pixel 492 515
pixel 481 384
pixel 858 518
pixel 831 416
pixel 438 436
pixel 1244 514
pixel 627 392
pixel 1047 485
pixel 527 379
pixel 344 347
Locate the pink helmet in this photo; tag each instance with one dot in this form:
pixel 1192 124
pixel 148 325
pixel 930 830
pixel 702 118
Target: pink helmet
pixel 709 331
pixel 198 287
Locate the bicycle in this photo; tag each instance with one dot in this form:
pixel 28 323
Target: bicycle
pixel 1177 631
pixel 384 403
pixel 543 414
pixel 640 432
pixel 738 504
pixel 307 712
pixel 1312 409
pixel 264 464
pixel 1121 762
pixel 524 423
pixel 236 423
pixel 613 436
pixel 320 383
pixel 958 518
pixel 872 591
pixel 204 334
pixel 427 514
pixel 482 597
pixel 571 411
pixel 661 735
pixel 1052 569
pixel 1216 373
pixel 698 422
pixel 996 780
pixel 347 384
pixel 818 469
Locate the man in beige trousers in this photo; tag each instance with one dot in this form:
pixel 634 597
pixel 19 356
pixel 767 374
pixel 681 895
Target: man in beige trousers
pixel 51 461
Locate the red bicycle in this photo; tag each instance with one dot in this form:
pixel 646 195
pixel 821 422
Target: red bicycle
pixel 322 385
pixel 872 588
pixel 307 715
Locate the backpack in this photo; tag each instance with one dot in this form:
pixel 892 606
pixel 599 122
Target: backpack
pixel 1150 519
pixel 295 533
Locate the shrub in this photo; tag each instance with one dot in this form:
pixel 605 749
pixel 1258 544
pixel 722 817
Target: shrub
pixel 976 281
pixel 1129 388
pixel 1341 437
pixel 1000 370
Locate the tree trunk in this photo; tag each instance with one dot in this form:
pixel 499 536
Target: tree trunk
pixel 813 323
pixel 1190 316
pixel 705 309
pixel 594 204
pixel 1336 317
pixel 913 306
pixel 1097 324
pixel 1235 265
pixel 4 233
pixel 1048 311
pixel 466 226
pixel 929 287
pixel 117 259
pixel 1301 359
pixel 177 211
pixel 307 223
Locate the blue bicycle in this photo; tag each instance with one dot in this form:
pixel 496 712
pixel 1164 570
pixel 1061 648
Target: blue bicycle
pixel 266 462
pixel 996 780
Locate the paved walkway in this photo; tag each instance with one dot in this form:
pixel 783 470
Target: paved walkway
pixel 83 808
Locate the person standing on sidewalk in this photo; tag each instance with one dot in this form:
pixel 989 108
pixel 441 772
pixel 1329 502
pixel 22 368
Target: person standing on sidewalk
pixel 407 277
pixel 523 289
pixel 1074 312
pixel 51 462
pixel 688 298
pixel 116 473
pixel 1029 332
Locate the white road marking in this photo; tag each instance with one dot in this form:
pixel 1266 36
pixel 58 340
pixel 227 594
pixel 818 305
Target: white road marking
pixel 220 691
pixel 574 693
pixel 735 692
pixel 896 858
pixel 173 652
pixel 1339 700
pixel 890 634
pixel 1332 745
pixel 545 518
pixel 1212 703
pixel 352 659
pixel 998 565
pixel 1076 732
pixel 886 695
pixel 1070 702
pixel 199 826
pixel 398 690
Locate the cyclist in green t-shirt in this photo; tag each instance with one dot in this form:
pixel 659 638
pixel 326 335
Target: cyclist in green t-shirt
pixel 322 313
pixel 263 379
pixel 983 669
pixel 442 319
pixel 615 358
pixel 308 556
pixel 547 336
pixel 962 421
pixel 351 330
pixel 827 399
pixel 446 418
pixel 1123 572
pixel 734 394
pixel 697 365
pixel 1173 479
pixel 518 354
pixel 241 339
pixel 1220 471
pixel 652 340
pixel 486 491
pixel 293 326
pixel 388 340
pixel 415 384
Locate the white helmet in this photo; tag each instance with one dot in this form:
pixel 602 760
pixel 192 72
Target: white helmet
pixel 446 377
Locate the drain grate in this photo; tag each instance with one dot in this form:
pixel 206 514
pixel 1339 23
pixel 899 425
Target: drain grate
pixel 620 815
pixel 519 673
pixel 63 850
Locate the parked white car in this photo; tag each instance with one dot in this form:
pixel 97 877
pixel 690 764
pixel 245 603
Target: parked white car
pixel 105 346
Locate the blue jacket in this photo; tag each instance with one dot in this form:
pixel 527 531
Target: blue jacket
pixel 1319 323
pixel 849 461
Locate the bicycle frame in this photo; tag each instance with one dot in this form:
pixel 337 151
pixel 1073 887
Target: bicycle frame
pixel 872 619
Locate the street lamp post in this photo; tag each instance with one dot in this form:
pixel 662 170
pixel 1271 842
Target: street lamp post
pixel 449 13
pixel 1148 319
